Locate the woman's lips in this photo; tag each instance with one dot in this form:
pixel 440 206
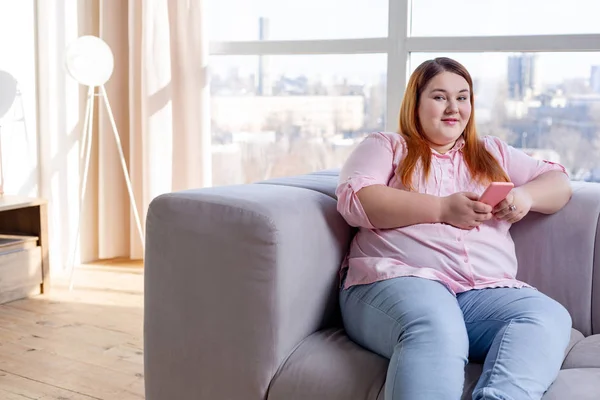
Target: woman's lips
pixel 450 121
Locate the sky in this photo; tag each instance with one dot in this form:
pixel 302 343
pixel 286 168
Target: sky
pixel 336 19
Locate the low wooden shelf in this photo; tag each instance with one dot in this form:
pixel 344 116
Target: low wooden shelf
pixel 24 273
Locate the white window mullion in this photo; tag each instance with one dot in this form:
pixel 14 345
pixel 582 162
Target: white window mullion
pixel 518 44
pixel 289 47
pixel 398 56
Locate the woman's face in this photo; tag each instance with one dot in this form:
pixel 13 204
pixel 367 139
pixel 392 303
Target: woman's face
pixel 444 110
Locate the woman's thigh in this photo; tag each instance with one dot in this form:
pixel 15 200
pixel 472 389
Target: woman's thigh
pixel 379 314
pixel 488 311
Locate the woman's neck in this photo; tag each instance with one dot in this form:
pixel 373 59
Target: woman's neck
pixel 443 149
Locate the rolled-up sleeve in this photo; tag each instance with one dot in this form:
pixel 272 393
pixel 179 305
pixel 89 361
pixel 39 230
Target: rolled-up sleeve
pixel 520 167
pixel 371 163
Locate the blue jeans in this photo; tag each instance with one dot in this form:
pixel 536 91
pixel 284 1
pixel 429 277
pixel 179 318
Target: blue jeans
pixel 520 336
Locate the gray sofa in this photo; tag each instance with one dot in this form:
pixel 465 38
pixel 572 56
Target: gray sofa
pixel 241 299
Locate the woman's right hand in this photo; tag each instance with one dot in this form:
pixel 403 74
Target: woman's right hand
pixel 462 210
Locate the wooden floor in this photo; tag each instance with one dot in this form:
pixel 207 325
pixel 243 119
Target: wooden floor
pixel 84 344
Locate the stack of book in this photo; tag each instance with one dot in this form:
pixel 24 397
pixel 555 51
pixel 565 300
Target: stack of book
pixel 20 266
pixel 12 243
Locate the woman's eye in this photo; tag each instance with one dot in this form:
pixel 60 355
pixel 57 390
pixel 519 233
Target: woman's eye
pixel 462 98
pixel 439 97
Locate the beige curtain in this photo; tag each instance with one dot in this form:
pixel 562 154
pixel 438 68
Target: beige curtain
pixel 159 97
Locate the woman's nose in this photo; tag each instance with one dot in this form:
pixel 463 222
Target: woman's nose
pixel 452 107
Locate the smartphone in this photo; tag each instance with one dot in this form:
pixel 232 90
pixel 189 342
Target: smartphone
pixel 496 192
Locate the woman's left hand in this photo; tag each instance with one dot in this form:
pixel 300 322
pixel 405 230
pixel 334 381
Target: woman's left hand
pixel 514 207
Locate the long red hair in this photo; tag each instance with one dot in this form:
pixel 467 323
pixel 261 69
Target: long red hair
pixel 483 166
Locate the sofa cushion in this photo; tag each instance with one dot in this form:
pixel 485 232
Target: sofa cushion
pixel 585 354
pixel 323 183
pixel 576 337
pixel 576 384
pixel 328 172
pixel 329 366
pixel 472 374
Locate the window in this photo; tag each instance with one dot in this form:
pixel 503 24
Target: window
pixel 281 74
pixel 504 17
pixel 245 20
pixel 274 116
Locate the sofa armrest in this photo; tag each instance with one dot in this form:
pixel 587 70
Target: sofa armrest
pixel 559 254
pixel 235 278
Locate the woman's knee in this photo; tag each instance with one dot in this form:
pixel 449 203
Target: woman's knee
pixel 552 311
pixel 559 318
pixel 551 315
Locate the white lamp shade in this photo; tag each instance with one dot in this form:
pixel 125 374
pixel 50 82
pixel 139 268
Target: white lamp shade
pixel 8 92
pixel 89 61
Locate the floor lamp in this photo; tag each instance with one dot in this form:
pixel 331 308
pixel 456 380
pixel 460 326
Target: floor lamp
pixel 89 60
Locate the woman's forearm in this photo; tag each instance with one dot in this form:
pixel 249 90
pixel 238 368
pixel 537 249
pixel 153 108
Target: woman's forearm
pixel 388 208
pixel 549 192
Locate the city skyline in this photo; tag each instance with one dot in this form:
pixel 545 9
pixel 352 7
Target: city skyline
pixel 516 107
pixel 485 84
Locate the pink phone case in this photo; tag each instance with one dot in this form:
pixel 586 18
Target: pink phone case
pixel 496 192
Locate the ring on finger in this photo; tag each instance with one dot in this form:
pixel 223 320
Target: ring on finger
pixel 512 207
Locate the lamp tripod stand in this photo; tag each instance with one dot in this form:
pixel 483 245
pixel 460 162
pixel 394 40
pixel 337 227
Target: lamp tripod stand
pixel 85 152
pixel 90 62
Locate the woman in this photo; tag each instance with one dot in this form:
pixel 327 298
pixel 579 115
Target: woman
pixel 429 280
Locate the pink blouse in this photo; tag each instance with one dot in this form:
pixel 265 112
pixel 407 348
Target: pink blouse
pixel 483 257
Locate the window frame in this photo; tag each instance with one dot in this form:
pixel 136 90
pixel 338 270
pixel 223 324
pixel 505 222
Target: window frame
pixel 399 45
